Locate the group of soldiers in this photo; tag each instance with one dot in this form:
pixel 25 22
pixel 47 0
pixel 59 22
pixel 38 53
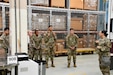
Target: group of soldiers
pixel 38 43
pixel 46 43
pixel 49 39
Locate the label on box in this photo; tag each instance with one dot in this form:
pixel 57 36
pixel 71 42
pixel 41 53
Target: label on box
pixel 12 60
pixel 40 20
pixel 58 20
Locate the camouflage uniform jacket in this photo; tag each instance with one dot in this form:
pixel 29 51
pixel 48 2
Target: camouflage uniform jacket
pixel 71 40
pixel 36 41
pixel 105 46
pixel 50 39
pixel 5 39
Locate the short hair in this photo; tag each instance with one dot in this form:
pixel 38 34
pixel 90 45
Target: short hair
pixel 49 26
pixel 105 33
pixel 7 28
pixel 36 29
pixel 71 29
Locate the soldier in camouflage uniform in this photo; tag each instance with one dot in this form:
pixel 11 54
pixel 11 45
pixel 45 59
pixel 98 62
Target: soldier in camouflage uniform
pixel 30 44
pixel 103 49
pixel 5 38
pixel 50 39
pixel 36 41
pixel 71 42
pixel 5 45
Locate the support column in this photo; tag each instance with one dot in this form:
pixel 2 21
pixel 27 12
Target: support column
pixel 18 26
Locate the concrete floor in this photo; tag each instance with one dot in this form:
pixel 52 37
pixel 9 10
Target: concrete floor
pixel 86 65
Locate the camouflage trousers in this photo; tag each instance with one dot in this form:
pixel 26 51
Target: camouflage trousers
pixel 104 69
pixel 71 53
pixel 49 53
pixel 35 54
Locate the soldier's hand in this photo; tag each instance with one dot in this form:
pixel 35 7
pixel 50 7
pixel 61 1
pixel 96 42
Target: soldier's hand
pixel 98 47
pixel 72 48
pixel 97 41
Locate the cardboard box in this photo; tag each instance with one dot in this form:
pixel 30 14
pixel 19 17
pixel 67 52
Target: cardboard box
pixel 46 2
pixel 89 41
pixel 40 21
pixel 90 4
pixel 57 3
pixel 59 47
pixel 76 23
pixel 92 22
pixel 76 4
pixel 80 43
pixel 58 22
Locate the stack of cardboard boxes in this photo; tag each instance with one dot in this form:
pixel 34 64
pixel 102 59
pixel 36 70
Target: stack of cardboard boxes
pixel 40 21
pixel 84 4
pixel 76 4
pixel 89 41
pixel 92 22
pixel 80 43
pixel 90 4
pixel 92 40
pixel 60 45
pixel 58 22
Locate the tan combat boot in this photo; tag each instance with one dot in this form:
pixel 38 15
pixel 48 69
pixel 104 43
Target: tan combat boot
pixel 52 65
pixel 68 66
pixel 47 65
pixel 75 65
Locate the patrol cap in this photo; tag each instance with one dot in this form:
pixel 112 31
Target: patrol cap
pixel 71 29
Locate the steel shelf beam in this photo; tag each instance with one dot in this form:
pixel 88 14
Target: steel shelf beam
pixel 48 8
pixel 65 10
pixel 86 11
pixel 58 9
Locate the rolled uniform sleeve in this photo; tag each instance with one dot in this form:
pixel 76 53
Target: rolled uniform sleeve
pixel 77 40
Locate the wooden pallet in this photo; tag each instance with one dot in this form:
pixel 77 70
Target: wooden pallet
pixel 58 7
pixel 40 5
pixel 85 50
pixel 91 9
pixel 77 8
pixel 79 51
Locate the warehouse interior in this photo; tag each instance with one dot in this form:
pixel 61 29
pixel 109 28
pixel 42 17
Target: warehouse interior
pixel 86 17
